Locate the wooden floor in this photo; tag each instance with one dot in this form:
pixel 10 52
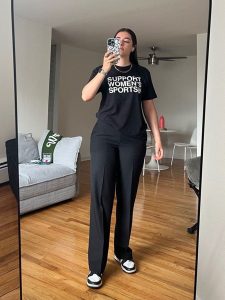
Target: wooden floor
pixel 55 241
pixel 9 245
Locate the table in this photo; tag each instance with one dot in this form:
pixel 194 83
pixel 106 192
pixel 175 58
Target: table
pixel 152 165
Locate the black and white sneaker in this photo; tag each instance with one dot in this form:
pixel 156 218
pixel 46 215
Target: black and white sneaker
pixel 94 280
pixel 126 265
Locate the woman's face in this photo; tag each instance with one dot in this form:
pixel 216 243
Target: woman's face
pixel 126 44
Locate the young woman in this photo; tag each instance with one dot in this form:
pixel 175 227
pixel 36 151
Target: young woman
pixel 118 146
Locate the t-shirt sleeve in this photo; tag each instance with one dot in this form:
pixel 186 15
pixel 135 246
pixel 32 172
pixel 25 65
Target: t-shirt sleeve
pixel 93 74
pixel 148 90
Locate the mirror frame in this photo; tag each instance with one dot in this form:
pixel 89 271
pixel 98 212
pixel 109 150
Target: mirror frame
pixel 16 131
pixel 202 142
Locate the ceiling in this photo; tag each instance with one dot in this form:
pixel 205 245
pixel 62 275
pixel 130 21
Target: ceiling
pixel 170 24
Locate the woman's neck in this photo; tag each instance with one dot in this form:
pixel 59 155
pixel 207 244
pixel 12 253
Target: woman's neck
pixel 123 62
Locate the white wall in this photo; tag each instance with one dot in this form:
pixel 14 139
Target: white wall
pixel 201 58
pixel 211 256
pixel 75 116
pixel 7 101
pixel 176 87
pixel 33 48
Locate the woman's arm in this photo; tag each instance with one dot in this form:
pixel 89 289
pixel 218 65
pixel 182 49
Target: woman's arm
pixel 91 88
pixel 151 117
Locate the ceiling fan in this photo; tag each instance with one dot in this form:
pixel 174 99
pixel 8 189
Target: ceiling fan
pixel 154 60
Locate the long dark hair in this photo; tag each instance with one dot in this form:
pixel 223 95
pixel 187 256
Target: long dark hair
pixel 133 55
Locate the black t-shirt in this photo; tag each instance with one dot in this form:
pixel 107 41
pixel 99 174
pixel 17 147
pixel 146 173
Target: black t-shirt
pixel 122 96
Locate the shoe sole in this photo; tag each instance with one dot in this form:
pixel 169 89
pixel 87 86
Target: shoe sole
pixel 94 286
pixel 125 270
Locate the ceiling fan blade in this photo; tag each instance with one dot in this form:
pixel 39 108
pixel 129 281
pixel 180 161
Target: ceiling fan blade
pixel 166 59
pixel 143 58
pixel 172 57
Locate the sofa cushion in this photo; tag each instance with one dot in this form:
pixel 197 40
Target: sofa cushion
pixel 36 180
pixel 27 148
pixel 36 201
pixel 44 188
pixel 30 174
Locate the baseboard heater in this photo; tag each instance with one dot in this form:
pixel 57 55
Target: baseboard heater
pixel 4 177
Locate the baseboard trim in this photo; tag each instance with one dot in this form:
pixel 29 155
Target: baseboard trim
pixel 85 158
pixel 4 177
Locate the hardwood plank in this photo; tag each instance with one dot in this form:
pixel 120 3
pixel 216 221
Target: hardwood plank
pixel 13 295
pixel 55 241
pixel 9 245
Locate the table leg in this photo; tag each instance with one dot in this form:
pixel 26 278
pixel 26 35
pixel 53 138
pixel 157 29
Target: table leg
pixel 152 165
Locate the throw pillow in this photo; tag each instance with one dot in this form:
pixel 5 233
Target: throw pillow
pixel 47 144
pixel 66 151
pixel 27 148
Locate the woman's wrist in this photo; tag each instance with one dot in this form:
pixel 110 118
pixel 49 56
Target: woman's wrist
pixel 158 142
pixel 106 67
pixel 102 71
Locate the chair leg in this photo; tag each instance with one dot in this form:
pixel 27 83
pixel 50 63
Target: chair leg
pixel 172 155
pixel 185 156
pixel 158 166
pixel 143 168
pixel 193 228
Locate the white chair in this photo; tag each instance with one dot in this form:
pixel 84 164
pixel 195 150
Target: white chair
pixel 190 146
pixel 150 147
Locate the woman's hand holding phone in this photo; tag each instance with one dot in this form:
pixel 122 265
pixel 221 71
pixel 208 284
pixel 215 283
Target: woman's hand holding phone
pixel 112 55
pixel 109 60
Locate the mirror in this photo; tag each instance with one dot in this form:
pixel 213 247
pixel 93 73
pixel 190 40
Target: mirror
pixel 62 43
pixel 9 211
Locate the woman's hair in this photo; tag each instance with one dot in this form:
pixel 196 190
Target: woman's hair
pixel 133 54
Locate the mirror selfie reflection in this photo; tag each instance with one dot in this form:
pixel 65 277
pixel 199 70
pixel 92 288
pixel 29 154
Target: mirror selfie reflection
pixel 55 131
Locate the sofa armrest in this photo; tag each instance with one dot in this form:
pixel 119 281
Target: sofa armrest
pixel 13 169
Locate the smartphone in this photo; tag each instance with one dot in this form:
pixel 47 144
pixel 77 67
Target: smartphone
pixel 113 45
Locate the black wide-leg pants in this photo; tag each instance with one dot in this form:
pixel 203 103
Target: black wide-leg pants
pixel 116 164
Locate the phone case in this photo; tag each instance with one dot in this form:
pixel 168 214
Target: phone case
pixel 113 45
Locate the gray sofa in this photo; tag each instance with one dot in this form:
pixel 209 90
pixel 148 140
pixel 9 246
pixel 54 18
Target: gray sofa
pixel 43 184
pixel 54 189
